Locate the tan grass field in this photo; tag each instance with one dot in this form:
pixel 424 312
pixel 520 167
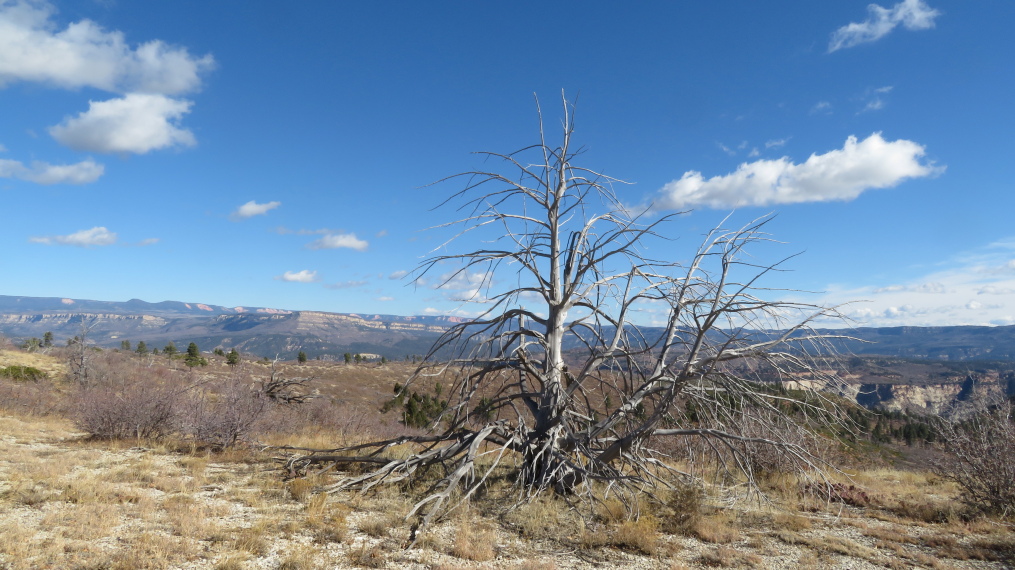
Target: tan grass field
pixel 70 502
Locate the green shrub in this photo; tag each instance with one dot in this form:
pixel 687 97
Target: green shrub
pixel 22 373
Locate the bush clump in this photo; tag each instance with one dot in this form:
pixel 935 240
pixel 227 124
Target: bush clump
pixel 141 410
pixel 22 373
pixel 980 452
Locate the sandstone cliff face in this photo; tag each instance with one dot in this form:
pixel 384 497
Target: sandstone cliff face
pixel 952 396
pixel 957 397
pixel 932 399
pixel 59 320
pixel 311 319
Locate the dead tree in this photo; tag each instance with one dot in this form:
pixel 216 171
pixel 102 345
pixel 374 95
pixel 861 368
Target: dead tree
pixel 282 390
pixel 79 358
pixel 558 379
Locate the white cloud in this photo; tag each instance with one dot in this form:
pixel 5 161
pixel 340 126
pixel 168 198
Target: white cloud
pixel 821 107
pixel 336 241
pixel 96 236
pixel 32 48
pixel 841 174
pixel 304 276
pixel 136 123
pixel 83 172
pixel 346 285
pixel 875 104
pixel 398 274
pixel 933 288
pixel 465 286
pixel 993 290
pixel 874 101
pixel 776 143
pixel 951 295
pixel 912 14
pixel 464 280
pixel 286 231
pixel 252 208
pixel 385 299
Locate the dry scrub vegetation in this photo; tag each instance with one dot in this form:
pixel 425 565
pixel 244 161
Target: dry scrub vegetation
pixel 174 499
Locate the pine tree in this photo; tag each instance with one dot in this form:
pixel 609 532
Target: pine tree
pixel 301 357
pixel 194 356
pixel 142 348
pixel 233 358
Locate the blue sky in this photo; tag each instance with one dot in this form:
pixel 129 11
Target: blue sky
pixel 254 154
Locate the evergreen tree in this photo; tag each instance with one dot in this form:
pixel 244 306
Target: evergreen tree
pixel 194 356
pixel 47 340
pixel 348 358
pixel 233 358
pixel 142 348
pixel 170 349
pixel 301 357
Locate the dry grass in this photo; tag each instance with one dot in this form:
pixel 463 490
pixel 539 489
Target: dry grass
pixel 791 521
pixel 70 503
pixel 231 561
pixel 474 543
pixel 326 522
pixel 255 539
pixel 379 526
pixel 726 557
pixel 641 535
pixel 545 518
pixel 717 528
pixel 368 556
pixel 536 565
pixel 303 558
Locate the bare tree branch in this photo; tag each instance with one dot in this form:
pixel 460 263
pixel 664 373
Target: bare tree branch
pixel 574 380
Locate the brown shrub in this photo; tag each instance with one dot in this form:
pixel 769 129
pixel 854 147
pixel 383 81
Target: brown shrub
pixel 683 509
pixel 839 493
pixel 220 419
pixel 980 452
pixel 471 544
pixel 639 536
pixel 127 407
